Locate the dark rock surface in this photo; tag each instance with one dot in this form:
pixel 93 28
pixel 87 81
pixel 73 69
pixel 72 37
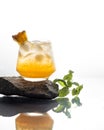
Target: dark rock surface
pixel 18 86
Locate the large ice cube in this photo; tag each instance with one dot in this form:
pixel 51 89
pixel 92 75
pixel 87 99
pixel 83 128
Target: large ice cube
pixel 29 47
pixel 46 46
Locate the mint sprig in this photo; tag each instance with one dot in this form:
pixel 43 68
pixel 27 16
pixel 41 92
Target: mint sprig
pixel 63 106
pixel 68 87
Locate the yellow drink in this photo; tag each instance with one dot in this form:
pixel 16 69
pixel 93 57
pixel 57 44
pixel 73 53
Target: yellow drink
pixel 35 60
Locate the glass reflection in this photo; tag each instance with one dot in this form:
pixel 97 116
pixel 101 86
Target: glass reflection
pixel 24 111
pixel 34 122
pixel 64 105
pixel 10 106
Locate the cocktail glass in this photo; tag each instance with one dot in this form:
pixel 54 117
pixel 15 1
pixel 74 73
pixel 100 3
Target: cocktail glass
pixel 35 60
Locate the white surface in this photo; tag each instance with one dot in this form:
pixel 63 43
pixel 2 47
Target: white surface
pixel 87 117
pixel 90 115
pixel 74 27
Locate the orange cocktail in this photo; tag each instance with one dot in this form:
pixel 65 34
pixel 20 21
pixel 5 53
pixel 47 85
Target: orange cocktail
pixel 35 60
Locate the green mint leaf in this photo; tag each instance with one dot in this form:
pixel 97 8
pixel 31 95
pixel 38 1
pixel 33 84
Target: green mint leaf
pixel 67 113
pixel 65 102
pixel 69 83
pixel 79 88
pixel 75 83
pixel 62 100
pixel 64 106
pixel 76 91
pixel 76 100
pixel 63 92
pixel 60 108
pixel 68 76
pixel 68 104
pixel 61 82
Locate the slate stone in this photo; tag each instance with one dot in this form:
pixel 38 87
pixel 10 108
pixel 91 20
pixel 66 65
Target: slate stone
pixel 18 86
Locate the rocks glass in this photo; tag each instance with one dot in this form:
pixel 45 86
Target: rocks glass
pixel 35 60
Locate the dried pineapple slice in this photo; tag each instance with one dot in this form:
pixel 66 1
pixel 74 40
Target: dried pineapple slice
pixel 21 37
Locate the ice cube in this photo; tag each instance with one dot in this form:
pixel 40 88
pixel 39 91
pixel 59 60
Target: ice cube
pixel 24 48
pixel 39 57
pixel 36 47
pixel 46 46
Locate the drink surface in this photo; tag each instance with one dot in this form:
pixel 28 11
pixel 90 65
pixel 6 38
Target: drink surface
pixel 35 60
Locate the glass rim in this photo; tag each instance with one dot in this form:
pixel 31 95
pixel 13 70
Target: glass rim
pixel 41 41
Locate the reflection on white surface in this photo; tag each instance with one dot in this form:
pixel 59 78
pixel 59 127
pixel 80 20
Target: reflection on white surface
pixel 34 122
pixel 90 115
pixel 87 117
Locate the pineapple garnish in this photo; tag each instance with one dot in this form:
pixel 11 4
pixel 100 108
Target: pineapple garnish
pixel 21 37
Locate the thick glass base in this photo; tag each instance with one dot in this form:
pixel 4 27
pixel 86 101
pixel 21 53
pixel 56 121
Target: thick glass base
pixel 34 79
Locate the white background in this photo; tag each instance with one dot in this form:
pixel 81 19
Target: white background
pixel 75 28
